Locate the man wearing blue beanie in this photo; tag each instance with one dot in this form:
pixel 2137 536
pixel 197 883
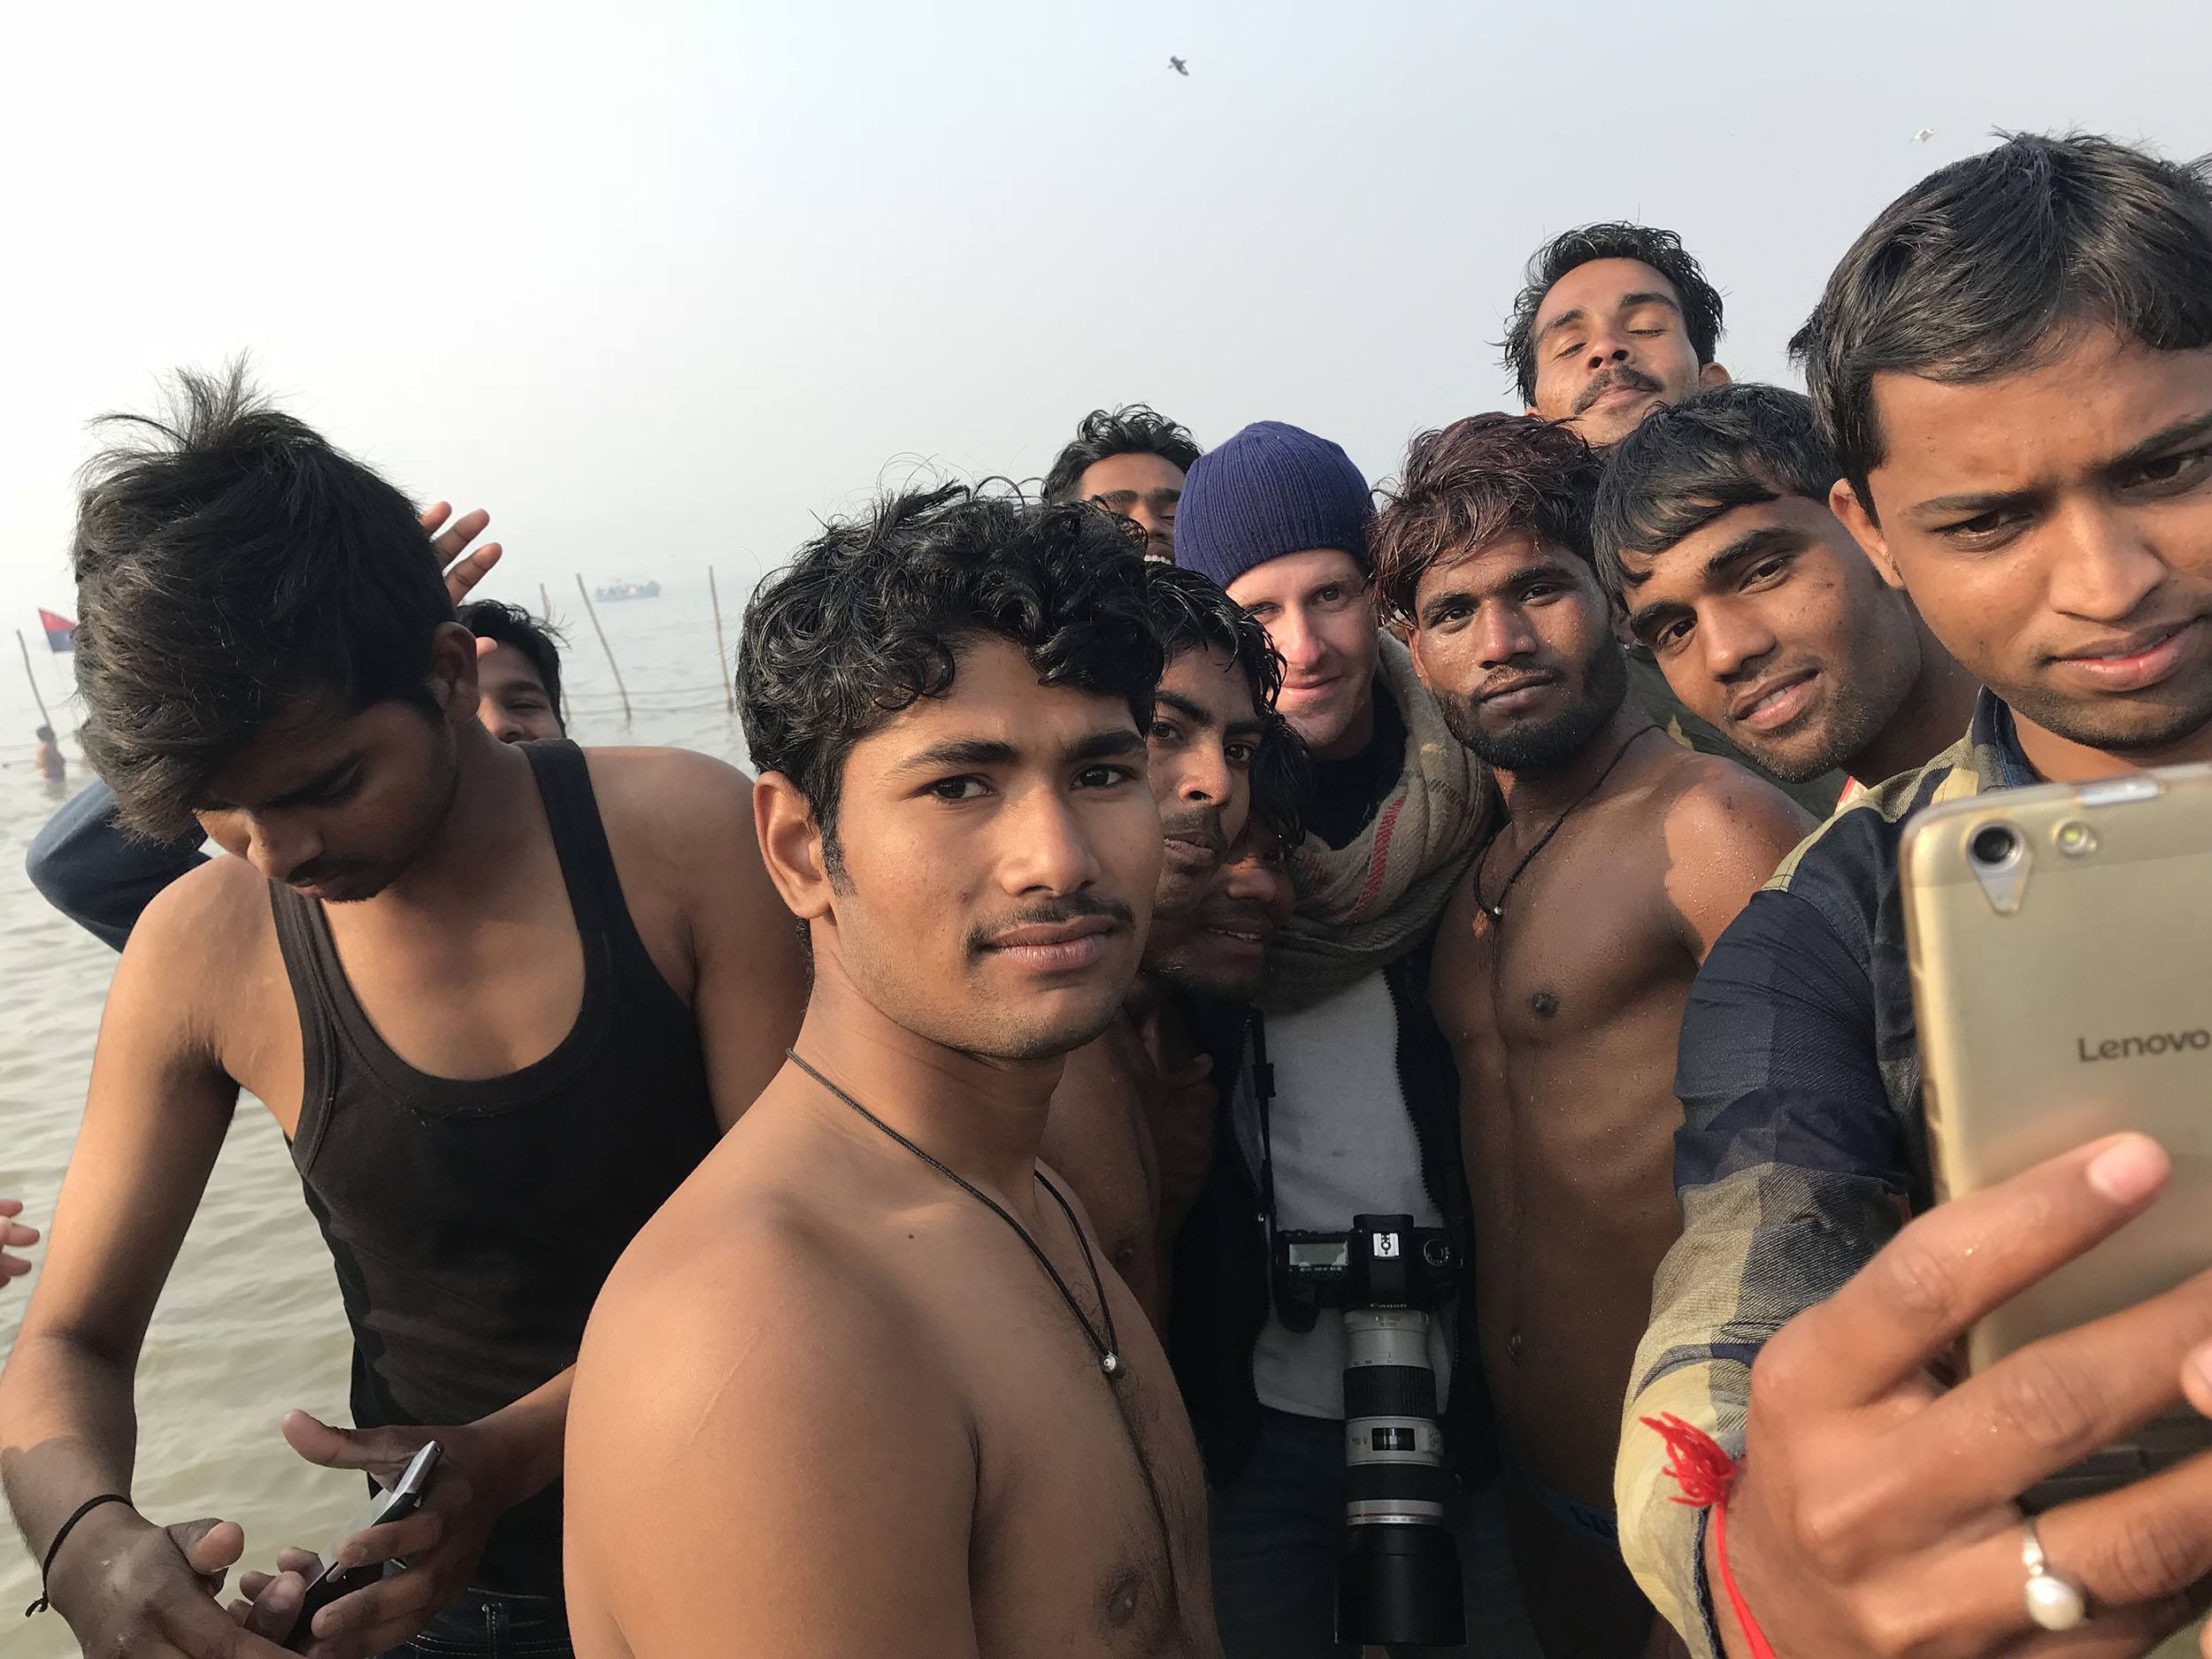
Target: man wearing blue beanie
pixel 1364 1118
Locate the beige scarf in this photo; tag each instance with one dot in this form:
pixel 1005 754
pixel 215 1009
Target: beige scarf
pixel 1365 905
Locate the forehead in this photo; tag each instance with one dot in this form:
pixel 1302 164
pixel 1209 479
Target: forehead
pixel 1209 677
pixel 1141 474
pixel 2052 422
pixel 1295 575
pixel 1492 564
pixel 504 667
pixel 994 698
pixel 1599 285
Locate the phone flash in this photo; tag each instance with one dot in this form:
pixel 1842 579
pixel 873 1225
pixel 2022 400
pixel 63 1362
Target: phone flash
pixel 2075 839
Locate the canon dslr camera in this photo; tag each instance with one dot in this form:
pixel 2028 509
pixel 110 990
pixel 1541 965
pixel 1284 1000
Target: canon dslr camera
pixel 1398 1572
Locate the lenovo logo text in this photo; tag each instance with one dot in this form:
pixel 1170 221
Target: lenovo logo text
pixel 2135 1048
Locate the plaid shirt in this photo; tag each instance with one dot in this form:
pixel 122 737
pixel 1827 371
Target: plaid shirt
pixel 1803 1146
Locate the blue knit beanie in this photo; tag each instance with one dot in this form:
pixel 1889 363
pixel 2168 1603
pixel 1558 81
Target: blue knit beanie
pixel 1272 489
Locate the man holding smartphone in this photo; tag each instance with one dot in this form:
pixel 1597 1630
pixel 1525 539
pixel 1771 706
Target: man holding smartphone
pixel 484 990
pixel 2014 365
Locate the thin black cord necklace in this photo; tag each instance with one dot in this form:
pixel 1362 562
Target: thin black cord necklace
pixel 1108 1350
pixel 1497 911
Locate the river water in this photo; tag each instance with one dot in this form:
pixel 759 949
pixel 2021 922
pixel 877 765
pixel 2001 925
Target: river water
pixel 250 1325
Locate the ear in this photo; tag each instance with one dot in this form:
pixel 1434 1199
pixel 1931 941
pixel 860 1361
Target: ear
pixel 453 672
pixel 1843 501
pixel 791 846
pixel 1711 375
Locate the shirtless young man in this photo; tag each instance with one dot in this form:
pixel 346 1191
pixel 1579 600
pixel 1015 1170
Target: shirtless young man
pixel 866 1385
pixel 1210 714
pixel 1562 969
pixel 498 998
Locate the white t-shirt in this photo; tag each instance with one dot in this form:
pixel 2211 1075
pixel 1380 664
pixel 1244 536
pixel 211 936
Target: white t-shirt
pixel 1343 1147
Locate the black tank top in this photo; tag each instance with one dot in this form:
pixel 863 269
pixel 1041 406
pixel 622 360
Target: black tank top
pixel 473 1222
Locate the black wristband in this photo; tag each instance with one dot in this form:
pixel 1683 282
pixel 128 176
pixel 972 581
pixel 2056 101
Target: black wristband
pixel 53 1548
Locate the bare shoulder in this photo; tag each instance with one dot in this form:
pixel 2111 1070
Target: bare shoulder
pixel 1724 831
pixel 202 928
pixel 735 1298
pixel 678 790
pixel 756 1391
pixel 1708 800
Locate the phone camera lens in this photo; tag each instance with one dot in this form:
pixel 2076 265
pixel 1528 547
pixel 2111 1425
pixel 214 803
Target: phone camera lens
pixel 1994 844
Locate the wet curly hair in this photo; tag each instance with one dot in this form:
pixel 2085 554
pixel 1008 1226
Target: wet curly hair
pixel 1473 482
pixel 871 616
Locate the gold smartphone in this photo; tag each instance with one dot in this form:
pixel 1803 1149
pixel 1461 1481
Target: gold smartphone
pixel 2060 944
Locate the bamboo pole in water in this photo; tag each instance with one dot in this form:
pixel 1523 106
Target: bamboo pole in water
pixel 721 656
pixel 545 615
pixel 603 646
pixel 44 719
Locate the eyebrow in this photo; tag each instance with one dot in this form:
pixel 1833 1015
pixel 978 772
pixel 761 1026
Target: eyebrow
pixel 1196 713
pixel 2181 432
pixel 955 753
pixel 1772 538
pixel 1130 497
pixel 1974 503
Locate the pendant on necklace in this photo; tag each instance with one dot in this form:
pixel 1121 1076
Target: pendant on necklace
pixel 1496 913
pixel 1109 1362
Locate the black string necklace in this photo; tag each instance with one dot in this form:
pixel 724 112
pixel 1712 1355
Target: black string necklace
pixel 1497 911
pixel 1107 1349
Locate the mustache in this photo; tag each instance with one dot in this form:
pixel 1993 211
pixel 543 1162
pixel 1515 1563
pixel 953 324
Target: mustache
pixel 1052 913
pixel 1611 377
pixel 1201 825
pixel 1513 680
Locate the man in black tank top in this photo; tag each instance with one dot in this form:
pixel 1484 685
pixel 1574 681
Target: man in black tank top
pixel 501 1001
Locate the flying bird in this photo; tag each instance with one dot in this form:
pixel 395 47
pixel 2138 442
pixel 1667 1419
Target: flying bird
pixel 1179 67
pixel 1923 136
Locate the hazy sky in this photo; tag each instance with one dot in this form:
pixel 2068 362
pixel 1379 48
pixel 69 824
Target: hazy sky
pixel 659 283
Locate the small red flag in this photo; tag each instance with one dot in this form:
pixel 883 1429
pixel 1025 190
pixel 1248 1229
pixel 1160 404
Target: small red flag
pixel 59 631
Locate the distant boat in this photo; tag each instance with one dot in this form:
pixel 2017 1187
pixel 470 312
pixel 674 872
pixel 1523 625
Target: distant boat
pixel 613 591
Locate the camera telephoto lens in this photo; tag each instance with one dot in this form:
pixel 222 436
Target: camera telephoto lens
pixel 1994 844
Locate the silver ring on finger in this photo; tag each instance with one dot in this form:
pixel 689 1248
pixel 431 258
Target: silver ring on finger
pixel 2055 1601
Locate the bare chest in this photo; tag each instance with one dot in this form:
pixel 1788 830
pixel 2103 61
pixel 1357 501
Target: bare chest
pixel 1576 941
pixel 1090 1529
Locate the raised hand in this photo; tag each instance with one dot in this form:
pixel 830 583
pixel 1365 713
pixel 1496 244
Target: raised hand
pixel 1874 1513
pixel 13 1236
pixel 461 573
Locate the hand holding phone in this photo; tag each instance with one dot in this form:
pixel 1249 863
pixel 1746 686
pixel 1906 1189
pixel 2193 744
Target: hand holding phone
pixel 404 1497
pixel 2061 946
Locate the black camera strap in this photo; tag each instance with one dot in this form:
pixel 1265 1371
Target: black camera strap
pixel 1263 1100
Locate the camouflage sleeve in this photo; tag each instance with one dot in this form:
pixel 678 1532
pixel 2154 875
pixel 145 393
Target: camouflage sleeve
pixel 1791 1177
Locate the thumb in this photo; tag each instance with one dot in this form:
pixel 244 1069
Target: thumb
pixel 370 1449
pixel 210 1548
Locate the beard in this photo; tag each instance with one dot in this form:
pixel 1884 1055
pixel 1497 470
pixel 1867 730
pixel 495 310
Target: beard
pixel 1531 747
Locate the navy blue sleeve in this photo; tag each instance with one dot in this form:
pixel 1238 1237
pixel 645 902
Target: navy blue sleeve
pixel 1779 1060
pixel 93 871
